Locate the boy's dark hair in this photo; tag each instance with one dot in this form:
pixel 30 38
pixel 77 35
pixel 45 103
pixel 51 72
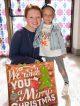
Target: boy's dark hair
pixel 47 5
pixel 30 7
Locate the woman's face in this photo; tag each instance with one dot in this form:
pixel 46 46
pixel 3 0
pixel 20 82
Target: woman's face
pixel 33 19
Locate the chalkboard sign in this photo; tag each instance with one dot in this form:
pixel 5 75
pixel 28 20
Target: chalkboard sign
pixel 31 84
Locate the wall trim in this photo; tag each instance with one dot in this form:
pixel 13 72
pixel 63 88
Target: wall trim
pixel 76 51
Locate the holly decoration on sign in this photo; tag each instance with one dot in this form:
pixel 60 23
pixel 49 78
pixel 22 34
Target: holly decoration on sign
pixel 45 78
pixel 35 83
pixel 13 96
pixel 14 104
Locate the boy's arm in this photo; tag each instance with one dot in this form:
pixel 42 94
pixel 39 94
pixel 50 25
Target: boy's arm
pixel 61 41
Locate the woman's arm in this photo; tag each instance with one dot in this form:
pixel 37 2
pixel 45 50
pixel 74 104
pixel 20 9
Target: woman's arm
pixel 14 53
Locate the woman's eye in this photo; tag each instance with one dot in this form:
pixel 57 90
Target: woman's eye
pixel 38 18
pixel 30 17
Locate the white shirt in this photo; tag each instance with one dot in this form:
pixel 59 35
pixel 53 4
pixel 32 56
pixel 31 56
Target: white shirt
pixel 45 43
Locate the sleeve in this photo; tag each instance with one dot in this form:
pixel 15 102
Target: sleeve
pixel 14 54
pixel 36 42
pixel 61 40
pixel 37 38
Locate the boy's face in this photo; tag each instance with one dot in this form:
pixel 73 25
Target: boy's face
pixel 48 15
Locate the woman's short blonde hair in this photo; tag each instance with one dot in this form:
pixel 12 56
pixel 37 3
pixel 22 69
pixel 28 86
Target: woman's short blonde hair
pixel 30 7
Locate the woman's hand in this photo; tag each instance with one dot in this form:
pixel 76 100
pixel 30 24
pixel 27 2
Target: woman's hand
pixel 37 61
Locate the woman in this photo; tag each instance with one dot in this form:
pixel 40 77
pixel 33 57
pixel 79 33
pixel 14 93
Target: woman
pixel 21 48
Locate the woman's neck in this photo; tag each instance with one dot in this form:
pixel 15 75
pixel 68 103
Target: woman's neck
pixel 29 28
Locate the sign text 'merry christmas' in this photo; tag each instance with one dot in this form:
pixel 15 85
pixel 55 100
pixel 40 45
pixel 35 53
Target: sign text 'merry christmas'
pixel 33 94
pixel 38 102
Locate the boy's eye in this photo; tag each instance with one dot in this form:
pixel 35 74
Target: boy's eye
pixel 50 15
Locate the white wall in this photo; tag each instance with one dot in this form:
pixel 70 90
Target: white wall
pixel 76 27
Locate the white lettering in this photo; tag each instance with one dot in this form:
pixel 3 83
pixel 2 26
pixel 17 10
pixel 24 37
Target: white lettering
pixel 21 83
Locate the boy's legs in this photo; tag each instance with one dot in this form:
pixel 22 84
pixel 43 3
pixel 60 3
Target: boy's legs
pixel 62 70
pixel 61 67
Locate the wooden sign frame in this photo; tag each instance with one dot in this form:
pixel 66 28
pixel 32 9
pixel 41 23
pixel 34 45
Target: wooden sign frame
pixel 31 84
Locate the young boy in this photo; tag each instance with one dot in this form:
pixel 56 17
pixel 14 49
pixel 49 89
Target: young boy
pixel 49 38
